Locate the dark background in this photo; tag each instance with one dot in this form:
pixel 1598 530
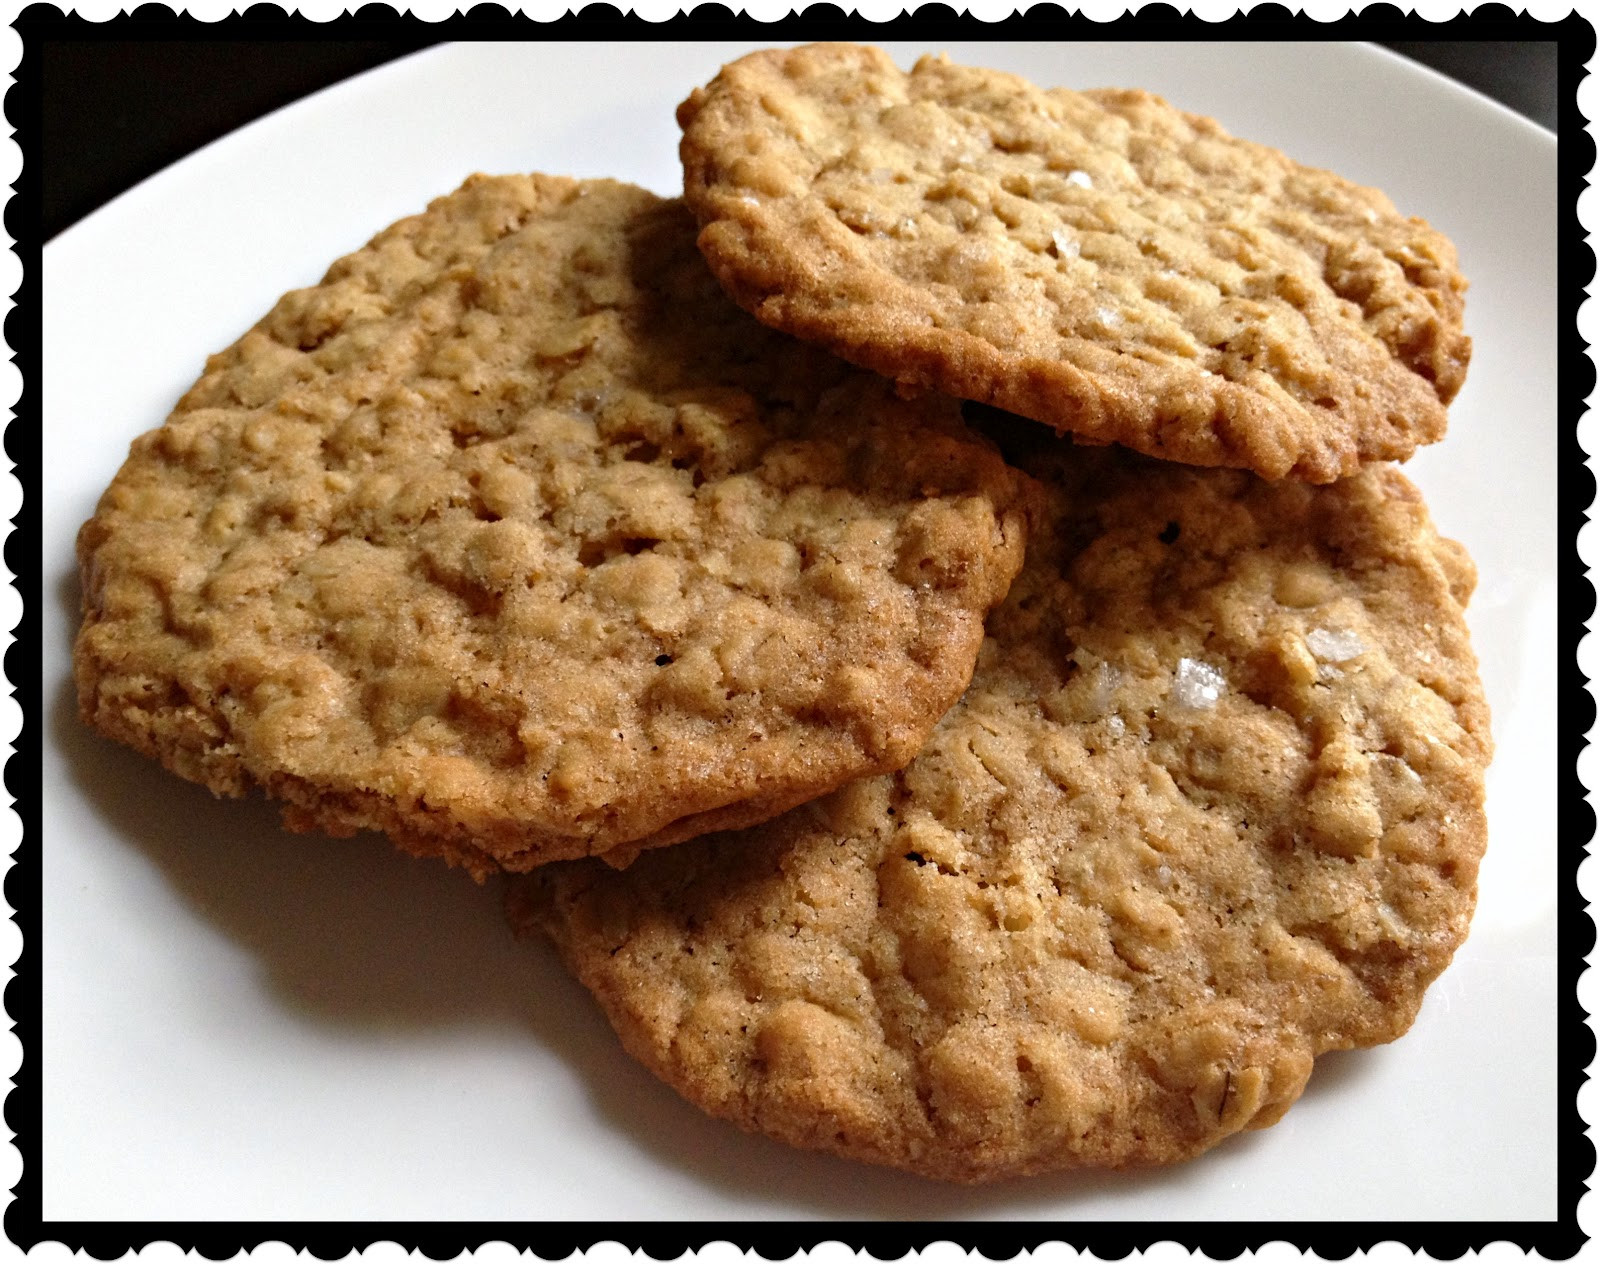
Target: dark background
pixel 113 112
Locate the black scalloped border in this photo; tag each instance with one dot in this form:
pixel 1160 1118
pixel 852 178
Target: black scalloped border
pixel 1560 1239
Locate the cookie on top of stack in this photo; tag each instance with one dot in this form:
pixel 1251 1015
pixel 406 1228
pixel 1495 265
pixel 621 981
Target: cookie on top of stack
pixel 516 539
pixel 1098 261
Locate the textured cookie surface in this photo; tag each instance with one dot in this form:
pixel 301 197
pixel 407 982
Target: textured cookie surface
pixel 1098 261
pixel 516 539
pixel 1212 805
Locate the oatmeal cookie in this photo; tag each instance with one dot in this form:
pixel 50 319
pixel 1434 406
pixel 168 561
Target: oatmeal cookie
pixel 1098 261
pixel 1212 805
pixel 516 539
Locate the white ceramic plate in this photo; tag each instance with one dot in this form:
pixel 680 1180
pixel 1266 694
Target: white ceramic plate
pixel 246 1024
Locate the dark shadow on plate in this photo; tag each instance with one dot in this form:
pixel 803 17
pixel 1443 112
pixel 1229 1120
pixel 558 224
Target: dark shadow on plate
pixel 346 930
pixel 1340 1072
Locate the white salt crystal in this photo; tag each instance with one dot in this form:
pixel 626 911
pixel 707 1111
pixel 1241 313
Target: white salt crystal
pixel 1080 178
pixel 1066 245
pixel 1102 686
pixel 1333 646
pixel 1197 685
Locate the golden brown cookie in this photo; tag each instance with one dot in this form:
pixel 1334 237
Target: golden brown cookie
pixel 1212 805
pixel 1097 261
pixel 515 539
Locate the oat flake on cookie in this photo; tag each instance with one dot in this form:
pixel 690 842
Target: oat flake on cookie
pixel 1098 261
pixel 515 539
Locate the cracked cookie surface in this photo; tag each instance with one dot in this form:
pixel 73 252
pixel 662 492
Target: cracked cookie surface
pixel 516 539
pixel 1098 261
pixel 1212 805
